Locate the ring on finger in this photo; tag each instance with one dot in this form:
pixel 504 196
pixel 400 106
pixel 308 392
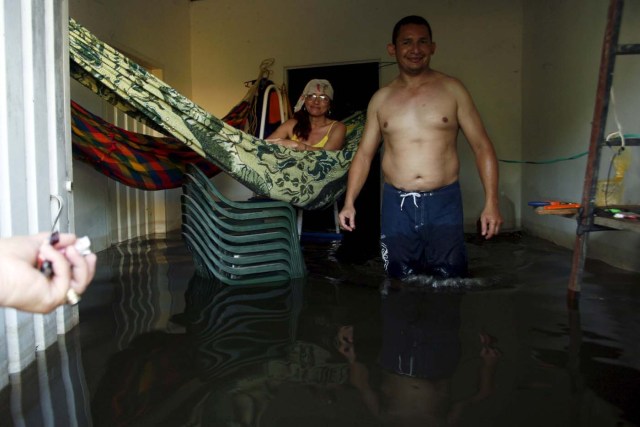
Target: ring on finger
pixel 72 297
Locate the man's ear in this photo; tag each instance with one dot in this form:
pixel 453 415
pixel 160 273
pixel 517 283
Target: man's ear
pixel 391 49
pixel 433 48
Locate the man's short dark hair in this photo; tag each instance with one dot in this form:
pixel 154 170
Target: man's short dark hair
pixel 411 19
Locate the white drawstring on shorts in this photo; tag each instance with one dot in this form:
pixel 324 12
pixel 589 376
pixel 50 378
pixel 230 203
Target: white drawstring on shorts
pixel 405 195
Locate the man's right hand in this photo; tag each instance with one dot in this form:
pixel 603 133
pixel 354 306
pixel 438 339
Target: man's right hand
pixel 348 218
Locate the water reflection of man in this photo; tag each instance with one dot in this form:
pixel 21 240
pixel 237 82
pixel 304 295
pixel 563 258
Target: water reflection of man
pixel 419 355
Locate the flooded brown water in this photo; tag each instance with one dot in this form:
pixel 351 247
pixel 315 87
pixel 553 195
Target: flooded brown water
pixel 160 346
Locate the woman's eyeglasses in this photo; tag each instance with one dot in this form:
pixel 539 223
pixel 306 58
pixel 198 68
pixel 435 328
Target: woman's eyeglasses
pixel 315 97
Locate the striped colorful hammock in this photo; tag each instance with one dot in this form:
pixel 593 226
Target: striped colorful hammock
pixel 307 179
pixel 134 159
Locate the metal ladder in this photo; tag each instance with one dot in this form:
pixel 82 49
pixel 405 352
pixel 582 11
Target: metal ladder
pixel 610 50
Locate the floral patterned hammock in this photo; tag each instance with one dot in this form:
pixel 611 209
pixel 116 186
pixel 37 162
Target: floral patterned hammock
pixel 307 179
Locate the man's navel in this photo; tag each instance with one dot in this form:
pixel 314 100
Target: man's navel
pixel 385 124
pixel 445 120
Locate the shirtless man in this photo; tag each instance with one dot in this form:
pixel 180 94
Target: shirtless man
pixel 419 115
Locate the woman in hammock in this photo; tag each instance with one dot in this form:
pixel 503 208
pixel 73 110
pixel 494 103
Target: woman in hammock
pixel 311 128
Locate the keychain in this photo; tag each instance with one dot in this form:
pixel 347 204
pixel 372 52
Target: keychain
pixel 82 245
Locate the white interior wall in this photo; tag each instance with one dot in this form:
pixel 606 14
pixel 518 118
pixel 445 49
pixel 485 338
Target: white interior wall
pixel 562 48
pixel 478 42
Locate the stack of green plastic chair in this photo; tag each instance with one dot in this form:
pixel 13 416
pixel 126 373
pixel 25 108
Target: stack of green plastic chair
pixel 239 243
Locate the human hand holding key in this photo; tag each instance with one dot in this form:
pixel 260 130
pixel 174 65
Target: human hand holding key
pixel 38 277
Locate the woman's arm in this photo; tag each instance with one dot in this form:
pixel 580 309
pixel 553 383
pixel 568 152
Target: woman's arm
pixel 284 131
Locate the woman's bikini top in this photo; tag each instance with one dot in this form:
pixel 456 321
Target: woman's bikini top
pixel 322 142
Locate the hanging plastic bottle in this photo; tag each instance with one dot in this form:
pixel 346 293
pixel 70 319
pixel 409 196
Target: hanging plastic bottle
pixel 621 163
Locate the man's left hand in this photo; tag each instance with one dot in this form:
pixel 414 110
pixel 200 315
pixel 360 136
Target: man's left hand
pixel 490 222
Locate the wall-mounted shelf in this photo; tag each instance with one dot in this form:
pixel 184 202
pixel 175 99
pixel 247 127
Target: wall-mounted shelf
pixel 629 224
pixel 602 222
pixel 618 224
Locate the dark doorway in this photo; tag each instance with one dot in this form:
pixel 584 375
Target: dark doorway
pixel 354 84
